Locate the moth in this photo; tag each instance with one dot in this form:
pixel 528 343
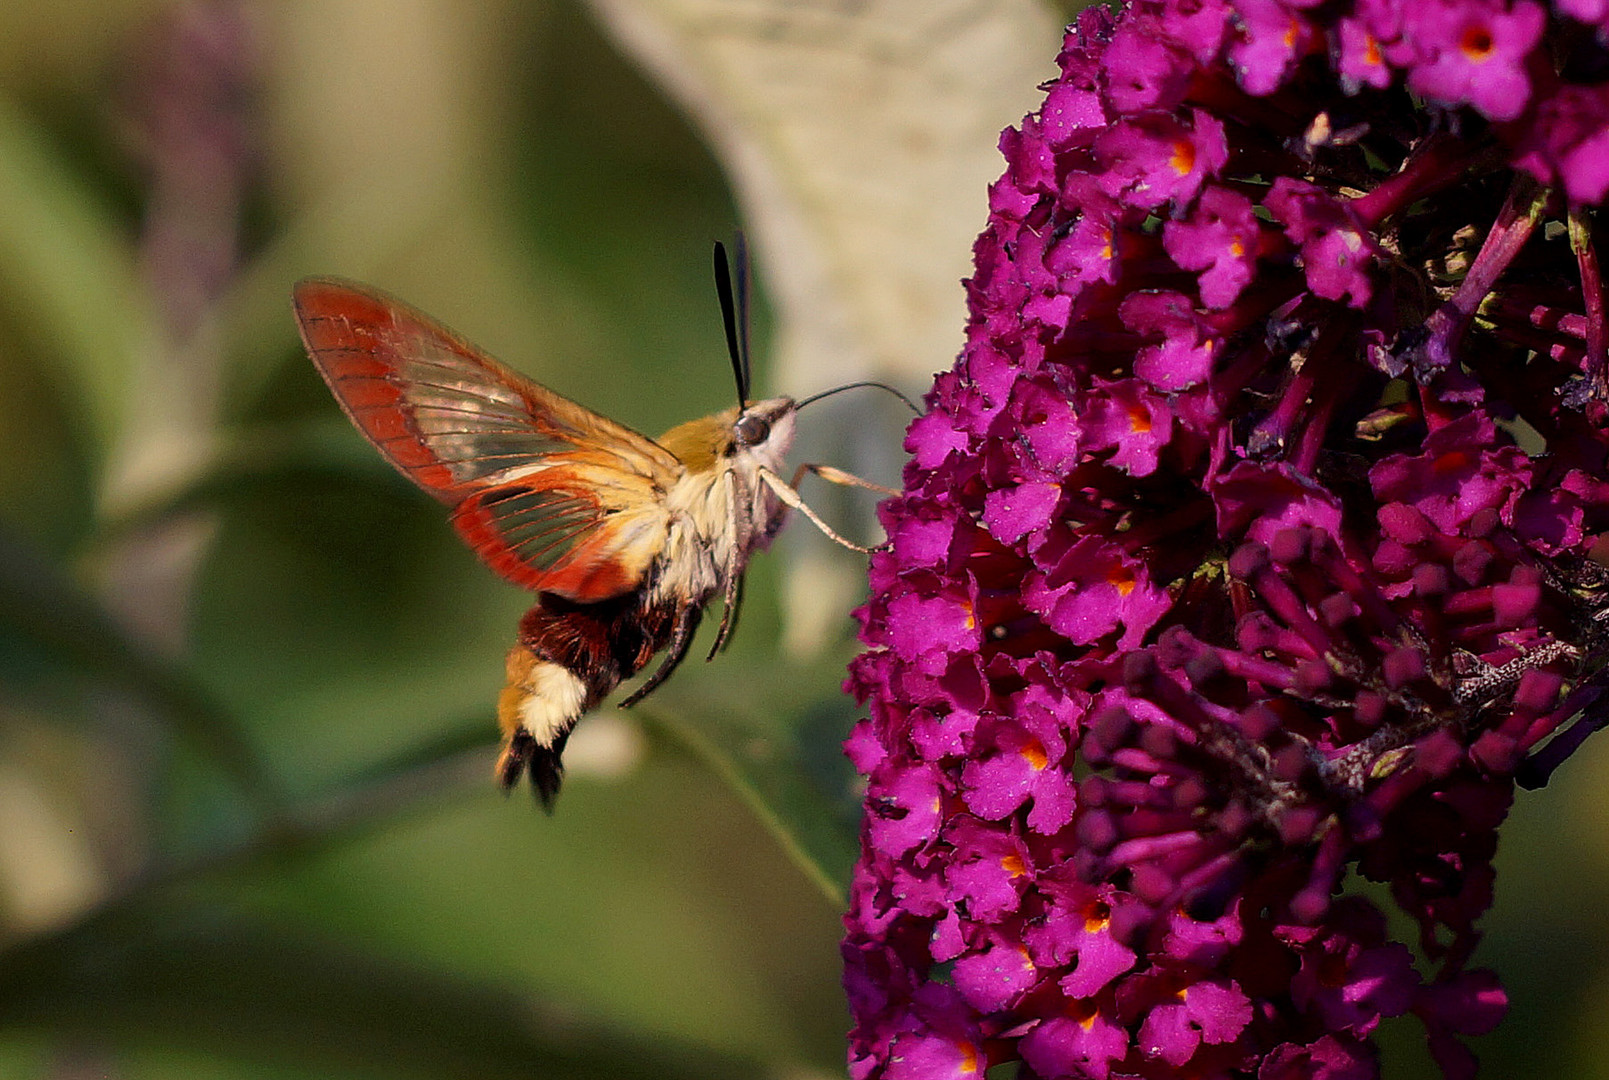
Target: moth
pixel 624 539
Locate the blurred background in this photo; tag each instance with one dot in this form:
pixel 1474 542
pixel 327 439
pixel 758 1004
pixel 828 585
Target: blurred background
pixel 248 826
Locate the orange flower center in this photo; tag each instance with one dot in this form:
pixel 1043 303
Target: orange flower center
pixel 1476 43
pixel 969 1058
pixel 1184 157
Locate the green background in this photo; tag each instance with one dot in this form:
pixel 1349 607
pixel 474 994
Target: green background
pixel 365 903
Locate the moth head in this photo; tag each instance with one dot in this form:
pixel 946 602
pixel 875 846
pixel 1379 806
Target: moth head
pixel 763 425
pixel 761 429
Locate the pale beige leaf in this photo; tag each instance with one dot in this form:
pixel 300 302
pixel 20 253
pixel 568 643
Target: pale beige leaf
pixel 860 138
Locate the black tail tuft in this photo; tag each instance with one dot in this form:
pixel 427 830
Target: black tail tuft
pixel 544 763
pixel 547 772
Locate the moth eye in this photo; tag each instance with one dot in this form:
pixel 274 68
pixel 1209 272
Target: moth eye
pixel 752 430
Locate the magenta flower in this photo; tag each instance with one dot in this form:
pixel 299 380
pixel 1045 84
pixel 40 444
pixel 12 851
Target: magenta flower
pixel 1257 542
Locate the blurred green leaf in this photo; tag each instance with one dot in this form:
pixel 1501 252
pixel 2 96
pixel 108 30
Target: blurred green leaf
pixel 193 977
pixel 250 461
pixel 67 274
pixel 46 615
pixel 806 822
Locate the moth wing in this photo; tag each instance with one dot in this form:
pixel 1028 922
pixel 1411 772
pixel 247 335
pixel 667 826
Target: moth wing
pixel 551 495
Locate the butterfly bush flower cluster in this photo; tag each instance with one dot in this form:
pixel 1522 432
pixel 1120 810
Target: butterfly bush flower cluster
pixel 1253 549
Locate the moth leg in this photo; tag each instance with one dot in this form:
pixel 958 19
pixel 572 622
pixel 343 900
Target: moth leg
pixel 791 497
pixel 732 601
pixel 838 476
pixel 680 639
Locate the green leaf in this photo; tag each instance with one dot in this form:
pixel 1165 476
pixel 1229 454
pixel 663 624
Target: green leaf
pixel 68 274
pixel 808 823
pixel 192 977
pixel 46 616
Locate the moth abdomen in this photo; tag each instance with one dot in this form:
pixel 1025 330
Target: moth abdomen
pixel 569 657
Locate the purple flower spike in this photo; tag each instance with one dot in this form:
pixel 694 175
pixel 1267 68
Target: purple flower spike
pixel 1257 542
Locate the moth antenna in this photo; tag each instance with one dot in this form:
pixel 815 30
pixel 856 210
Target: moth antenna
pixel 740 259
pixel 909 404
pixel 731 312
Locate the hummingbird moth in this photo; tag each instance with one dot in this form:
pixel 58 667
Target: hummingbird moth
pixel 624 539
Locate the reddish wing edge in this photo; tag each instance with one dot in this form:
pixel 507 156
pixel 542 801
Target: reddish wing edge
pixel 552 496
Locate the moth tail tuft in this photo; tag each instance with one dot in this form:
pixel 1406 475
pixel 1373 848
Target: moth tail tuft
pixel 545 764
pixel 547 773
